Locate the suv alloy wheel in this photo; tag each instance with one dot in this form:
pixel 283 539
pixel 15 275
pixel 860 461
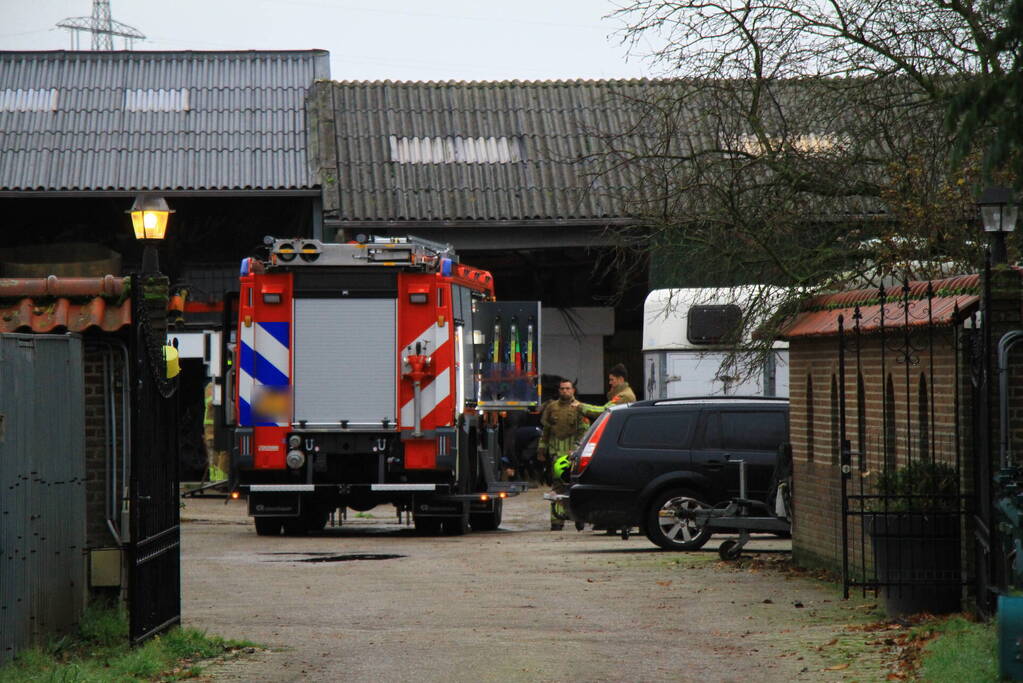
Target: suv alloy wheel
pixel 667 529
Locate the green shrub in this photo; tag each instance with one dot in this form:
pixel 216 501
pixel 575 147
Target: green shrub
pixel 920 486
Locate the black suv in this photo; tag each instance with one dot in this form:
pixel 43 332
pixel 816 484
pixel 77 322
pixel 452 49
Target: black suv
pixel 640 463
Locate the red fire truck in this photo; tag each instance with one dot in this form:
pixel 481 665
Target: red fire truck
pixel 369 373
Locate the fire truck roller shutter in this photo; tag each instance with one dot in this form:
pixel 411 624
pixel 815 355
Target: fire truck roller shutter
pixel 345 361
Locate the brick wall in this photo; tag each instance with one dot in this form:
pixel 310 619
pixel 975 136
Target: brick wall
pixel 103 366
pixel 923 387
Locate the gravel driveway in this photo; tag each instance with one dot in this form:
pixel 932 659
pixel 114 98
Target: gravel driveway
pixel 371 601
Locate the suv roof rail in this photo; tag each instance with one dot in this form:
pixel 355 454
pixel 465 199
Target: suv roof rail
pixel 694 399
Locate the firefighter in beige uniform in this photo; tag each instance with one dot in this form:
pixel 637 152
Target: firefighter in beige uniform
pixel 619 392
pixel 563 426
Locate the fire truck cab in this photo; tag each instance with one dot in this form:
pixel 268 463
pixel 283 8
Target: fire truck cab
pixel 368 373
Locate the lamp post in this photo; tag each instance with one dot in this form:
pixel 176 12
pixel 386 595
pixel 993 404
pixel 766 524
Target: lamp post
pixel 998 212
pixel 149 214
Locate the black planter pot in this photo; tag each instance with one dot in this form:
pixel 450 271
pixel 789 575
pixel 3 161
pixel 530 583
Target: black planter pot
pixel 916 558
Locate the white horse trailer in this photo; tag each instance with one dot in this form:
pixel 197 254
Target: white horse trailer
pixel 684 346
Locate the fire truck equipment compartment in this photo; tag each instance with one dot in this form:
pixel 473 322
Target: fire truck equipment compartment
pixel 344 361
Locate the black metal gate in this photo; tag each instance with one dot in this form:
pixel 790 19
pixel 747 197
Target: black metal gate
pixel 903 507
pixel 154 574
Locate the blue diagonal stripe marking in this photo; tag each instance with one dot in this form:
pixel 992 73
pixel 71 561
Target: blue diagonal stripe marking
pixel 246 358
pixel 278 331
pixel 267 373
pixel 244 413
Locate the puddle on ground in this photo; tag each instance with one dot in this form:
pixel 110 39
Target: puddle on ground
pixel 306 553
pixel 351 557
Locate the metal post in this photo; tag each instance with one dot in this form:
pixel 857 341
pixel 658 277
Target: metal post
pixel 844 466
pixel 150 259
pixel 999 252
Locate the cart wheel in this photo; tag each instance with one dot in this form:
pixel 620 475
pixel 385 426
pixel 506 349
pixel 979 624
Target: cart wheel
pixel 729 550
pixel 625 533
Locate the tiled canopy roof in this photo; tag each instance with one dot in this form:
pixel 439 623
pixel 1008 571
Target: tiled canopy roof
pixel 63 304
pixel 951 300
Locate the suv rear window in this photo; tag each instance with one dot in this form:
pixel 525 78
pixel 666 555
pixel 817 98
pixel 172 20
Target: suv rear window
pixel 746 430
pixel 667 429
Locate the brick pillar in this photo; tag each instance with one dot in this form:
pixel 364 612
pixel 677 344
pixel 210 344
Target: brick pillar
pixel 1005 314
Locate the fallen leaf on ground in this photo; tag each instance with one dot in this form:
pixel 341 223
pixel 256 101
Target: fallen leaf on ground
pixel 838 667
pixel 664 583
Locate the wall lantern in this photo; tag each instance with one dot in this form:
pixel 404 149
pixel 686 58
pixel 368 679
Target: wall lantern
pixel 149 214
pixel 998 213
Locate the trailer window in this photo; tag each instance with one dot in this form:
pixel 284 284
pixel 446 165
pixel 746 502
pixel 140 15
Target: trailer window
pixel 713 324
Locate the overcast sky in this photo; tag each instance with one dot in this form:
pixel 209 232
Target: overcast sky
pixel 367 39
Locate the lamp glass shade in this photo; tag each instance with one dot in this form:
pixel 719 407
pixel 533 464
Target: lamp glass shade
pixel 149 225
pixel 999 217
pixel 149 214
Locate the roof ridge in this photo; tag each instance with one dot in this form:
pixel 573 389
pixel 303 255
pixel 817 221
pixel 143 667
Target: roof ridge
pixel 95 54
pixel 511 82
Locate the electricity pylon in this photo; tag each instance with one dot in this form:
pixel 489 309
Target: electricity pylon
pixel 102 27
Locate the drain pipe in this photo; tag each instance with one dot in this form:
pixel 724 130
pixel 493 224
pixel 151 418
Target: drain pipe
pixel 126 395
pixel 1005 345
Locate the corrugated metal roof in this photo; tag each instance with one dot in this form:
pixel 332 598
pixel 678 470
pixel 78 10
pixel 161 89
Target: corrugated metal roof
pixel 579 143
pixel 953 299
pixel 558 122
pixel 63 304
pixel 244 127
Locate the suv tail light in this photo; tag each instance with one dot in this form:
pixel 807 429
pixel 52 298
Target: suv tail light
pixel 590 444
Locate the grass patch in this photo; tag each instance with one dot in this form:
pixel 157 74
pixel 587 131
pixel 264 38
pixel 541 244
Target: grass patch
pixel 99 652
pixel 962 651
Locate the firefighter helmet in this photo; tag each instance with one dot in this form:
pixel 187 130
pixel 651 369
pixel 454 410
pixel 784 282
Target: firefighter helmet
pixel 562 467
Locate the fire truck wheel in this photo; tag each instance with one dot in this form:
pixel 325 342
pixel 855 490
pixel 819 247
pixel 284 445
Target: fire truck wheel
pixel 295 526
pixel 427 526
pixel 316 519
pixel 456 526
pixel 268 526
pixel 487 521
